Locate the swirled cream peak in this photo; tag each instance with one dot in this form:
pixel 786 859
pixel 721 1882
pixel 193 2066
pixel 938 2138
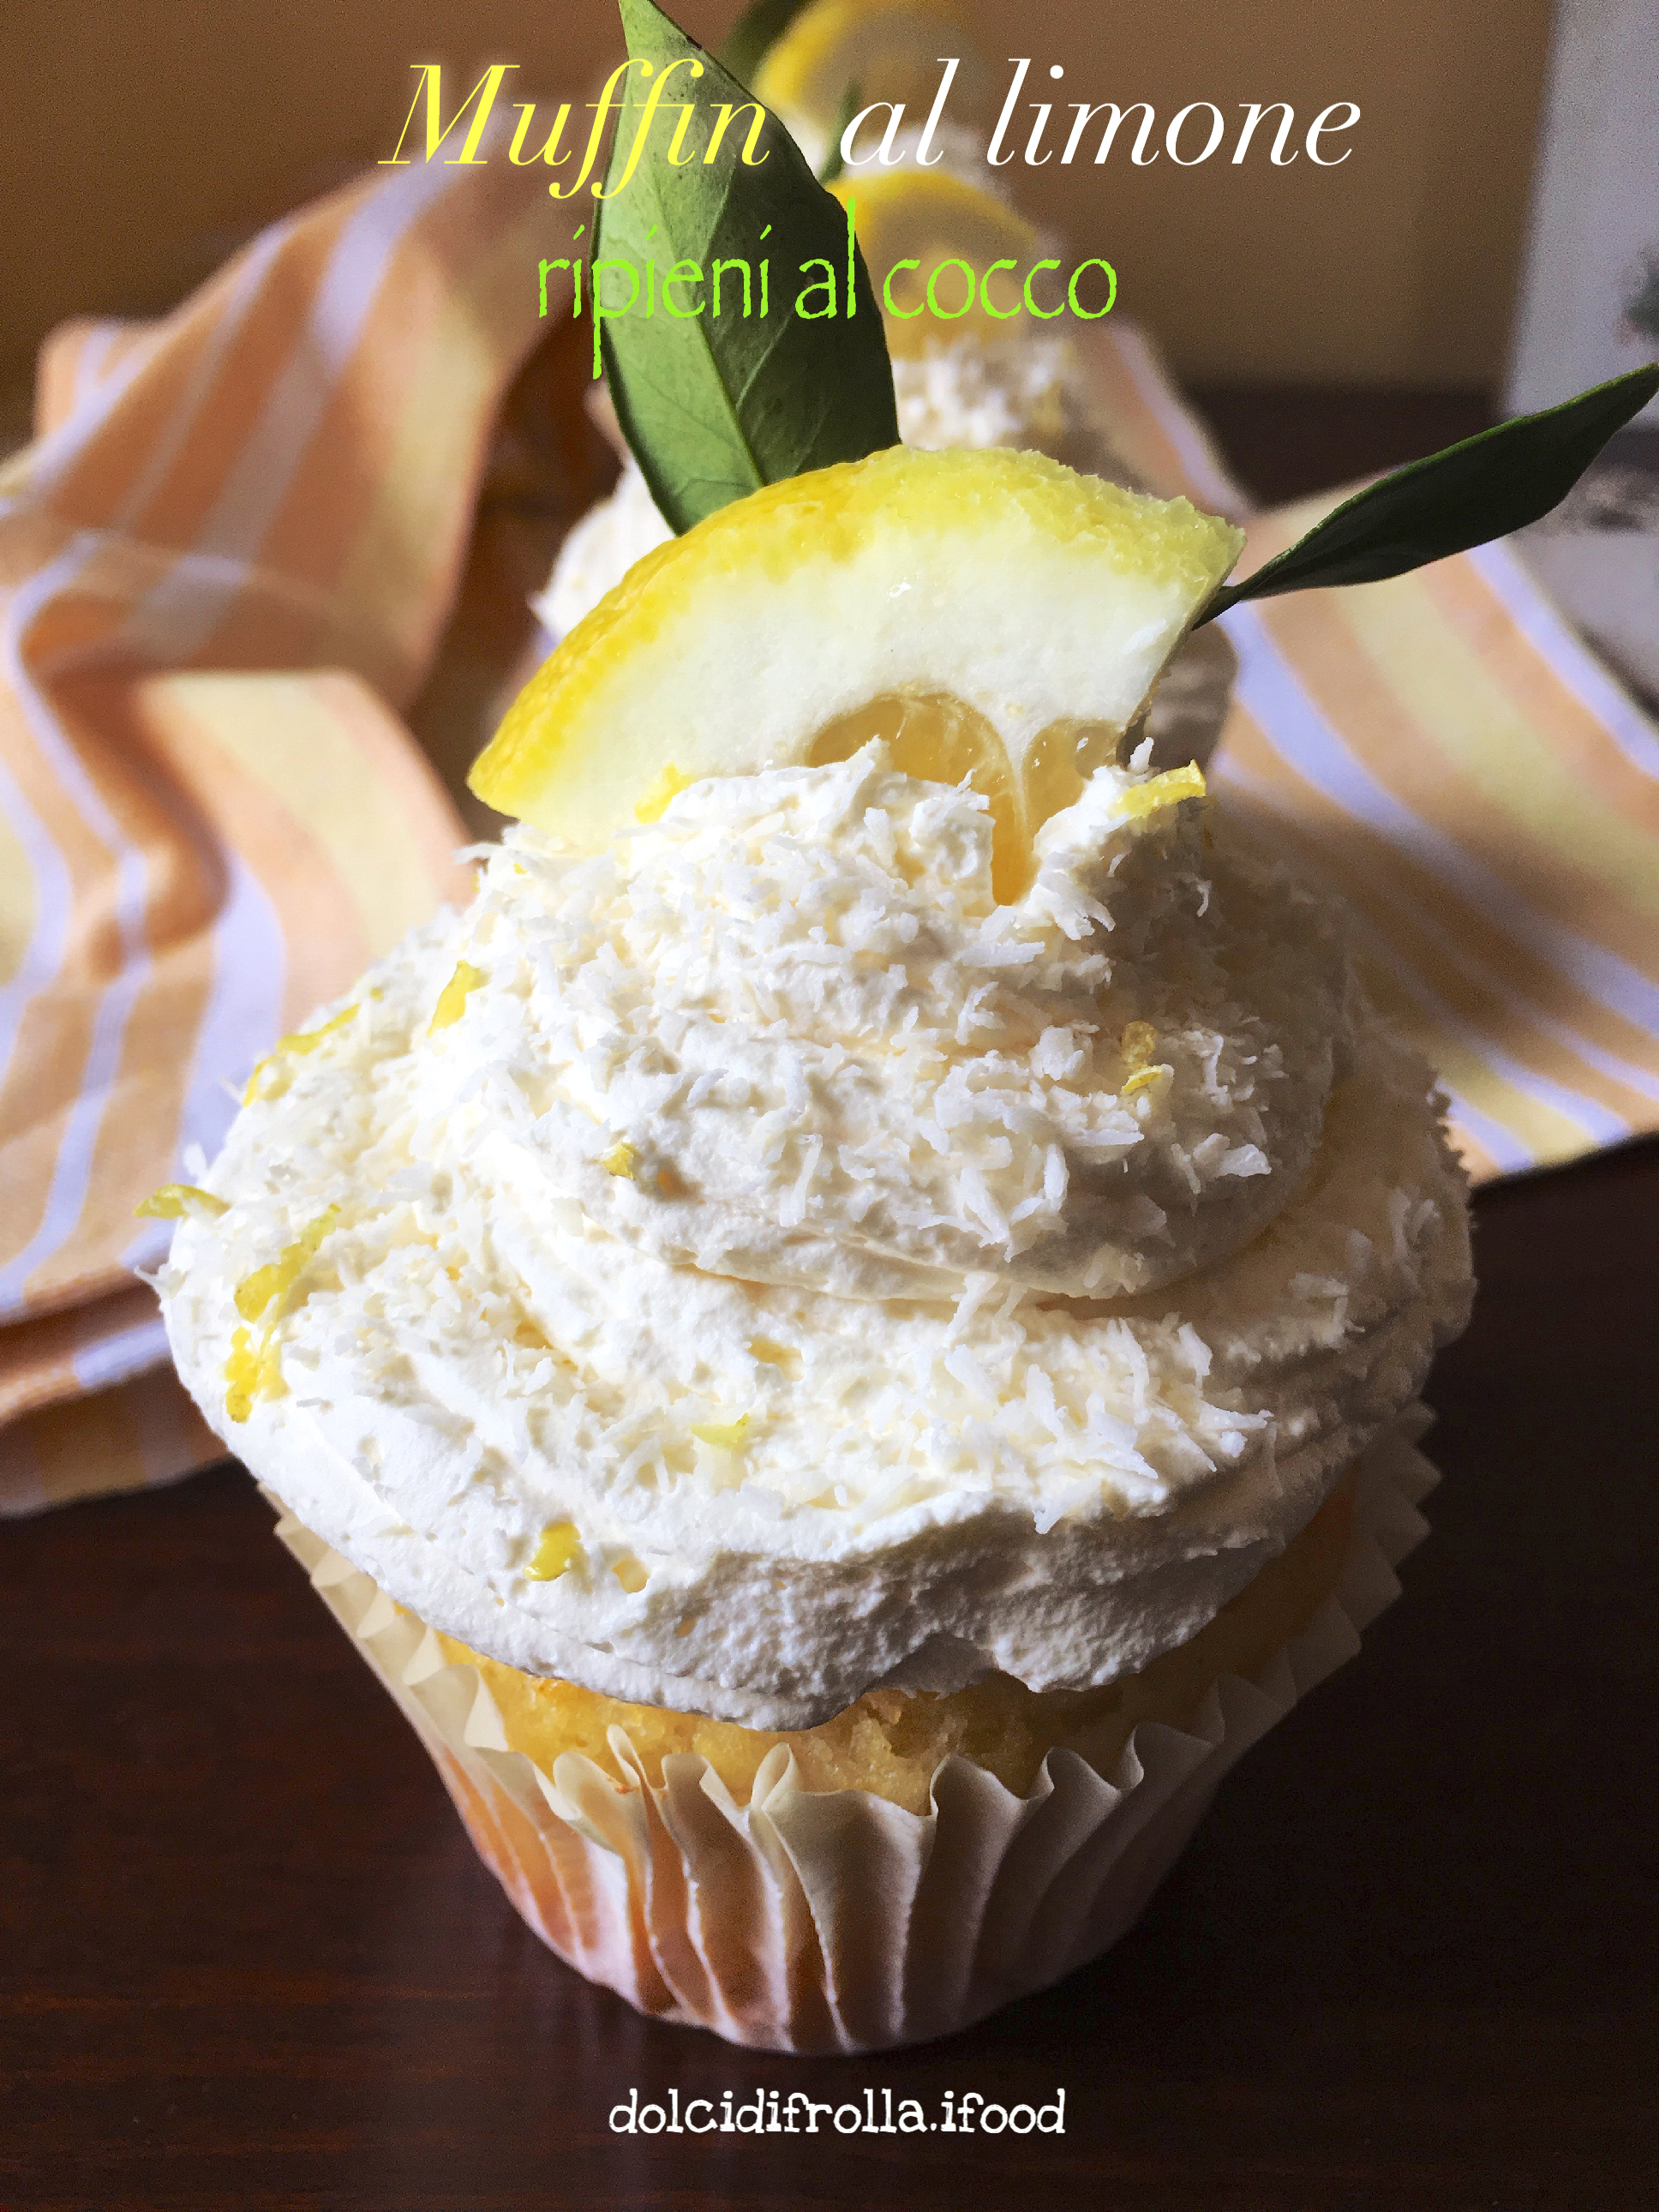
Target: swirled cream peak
pixel 786 1033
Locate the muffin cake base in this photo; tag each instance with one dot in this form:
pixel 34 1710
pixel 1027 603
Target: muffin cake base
pixel 905 1868
pixel 893 1741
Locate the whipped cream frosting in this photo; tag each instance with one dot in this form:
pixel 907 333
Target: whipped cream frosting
pixel 861 1282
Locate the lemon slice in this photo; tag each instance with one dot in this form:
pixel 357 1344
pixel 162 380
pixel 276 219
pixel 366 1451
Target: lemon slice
pixel 993 614
pixel 889 51
pixel 931 217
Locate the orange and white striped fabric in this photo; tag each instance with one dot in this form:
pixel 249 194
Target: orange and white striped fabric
pixel 224 568
pixel 1442 749
pixel 1445 751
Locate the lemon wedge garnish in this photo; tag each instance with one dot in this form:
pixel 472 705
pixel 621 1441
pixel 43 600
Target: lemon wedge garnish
pixel 993 615
pixel 930 217
pixel 889 49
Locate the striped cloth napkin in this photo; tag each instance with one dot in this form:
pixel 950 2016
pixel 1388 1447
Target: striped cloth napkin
pixel 225 568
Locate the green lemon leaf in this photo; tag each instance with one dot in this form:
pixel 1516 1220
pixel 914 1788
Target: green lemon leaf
pixel 714 406
pixel 754 34
pixel 1473 491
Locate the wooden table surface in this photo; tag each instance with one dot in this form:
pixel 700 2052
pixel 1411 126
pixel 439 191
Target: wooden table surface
pixel 247 1959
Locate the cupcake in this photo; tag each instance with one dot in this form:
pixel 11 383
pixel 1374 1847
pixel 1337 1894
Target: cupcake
pixel 849 1331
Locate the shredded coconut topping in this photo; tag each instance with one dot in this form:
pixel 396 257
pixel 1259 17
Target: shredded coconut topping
pixel 750 1264
pixel 851 1069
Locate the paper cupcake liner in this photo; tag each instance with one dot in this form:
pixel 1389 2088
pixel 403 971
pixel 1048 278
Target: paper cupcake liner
pixel 836 1921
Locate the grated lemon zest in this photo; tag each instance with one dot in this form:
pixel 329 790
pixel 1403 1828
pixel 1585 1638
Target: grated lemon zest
pixel 252 1371
pixel 1138 1043
pixel 1142 1079
pixel 725 1435
pixel 452 999
pixel 1160 791
pixel 255 1291
pixel 631 1575
pixel 668 785
pixel 559 1546
pixel 174 1200
pixel 270 1079
pixel 619 1160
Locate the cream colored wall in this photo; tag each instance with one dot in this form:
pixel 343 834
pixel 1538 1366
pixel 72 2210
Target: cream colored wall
pixel 136 132
pixel 1397 267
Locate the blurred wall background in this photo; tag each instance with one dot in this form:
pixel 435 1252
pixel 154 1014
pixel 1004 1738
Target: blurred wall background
pixel 143 136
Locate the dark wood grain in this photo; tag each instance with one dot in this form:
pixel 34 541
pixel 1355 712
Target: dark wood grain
pixel 1407 1966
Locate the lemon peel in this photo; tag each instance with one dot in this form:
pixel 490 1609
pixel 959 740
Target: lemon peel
pixel 270 1077
pixel 887 48
pixel 725 1435
pixel 173 1201
pixel 274 1280
pixel 558 1547
pixel 619 1160
pixel 1138 1043
pixel 452 999
pixel 252 1371
pixel 1144 1078
pixel 1140 799
pixel 931 218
